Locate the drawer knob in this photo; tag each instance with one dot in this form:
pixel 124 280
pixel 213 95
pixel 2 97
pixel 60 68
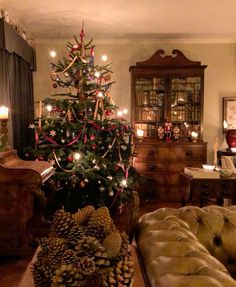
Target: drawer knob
pixel 151 167
pixel 151 152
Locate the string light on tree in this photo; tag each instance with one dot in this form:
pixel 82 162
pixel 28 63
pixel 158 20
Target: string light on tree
pixel 76 156
pixel 53 54
pixel 104 58
pixel 124 182
pixel 49 108
pixel 97 74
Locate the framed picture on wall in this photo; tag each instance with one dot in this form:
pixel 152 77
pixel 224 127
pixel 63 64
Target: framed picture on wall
pixel 229 113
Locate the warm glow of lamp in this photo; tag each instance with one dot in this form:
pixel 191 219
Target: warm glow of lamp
pixel 4 113
pixel 225 125
pixel 125 111
pixel 194 136
pixel 140 133
pixel 53 54
pixel 120 114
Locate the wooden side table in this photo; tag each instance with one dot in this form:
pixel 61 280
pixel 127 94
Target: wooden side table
pixel 224 152
pixel 204 190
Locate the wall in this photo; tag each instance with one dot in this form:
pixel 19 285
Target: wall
pixel 220 75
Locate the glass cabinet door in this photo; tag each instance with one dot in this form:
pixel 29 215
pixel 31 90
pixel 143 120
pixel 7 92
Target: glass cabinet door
pixel 185 103
pixel 150 96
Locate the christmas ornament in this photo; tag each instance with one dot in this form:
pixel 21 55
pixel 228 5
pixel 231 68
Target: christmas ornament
pixel 52 133
pixel 82 184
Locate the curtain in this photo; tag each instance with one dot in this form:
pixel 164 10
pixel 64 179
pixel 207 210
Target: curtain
pixel 16 90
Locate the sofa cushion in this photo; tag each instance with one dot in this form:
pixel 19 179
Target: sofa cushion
pixel 189 243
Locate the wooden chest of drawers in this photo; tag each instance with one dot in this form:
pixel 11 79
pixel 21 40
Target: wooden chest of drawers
pixel 162 164
pixel 19 180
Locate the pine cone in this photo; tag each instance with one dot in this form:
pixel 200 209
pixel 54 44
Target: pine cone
pixel 67 276
pixel 90 246
pixel 112 244
pixel 42 275
pixel 62 223
pixel 99 232
pixel 82 215
pixel 56 249
pixel 124 246
pixel 69 257
pixel 86 265
pixel 100 217
pixel 121 275
pixel 76 232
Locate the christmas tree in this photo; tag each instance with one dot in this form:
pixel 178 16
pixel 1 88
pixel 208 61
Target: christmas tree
pixel 81 132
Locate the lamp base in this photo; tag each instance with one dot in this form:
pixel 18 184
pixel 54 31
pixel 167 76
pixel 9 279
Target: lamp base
pixel 231 138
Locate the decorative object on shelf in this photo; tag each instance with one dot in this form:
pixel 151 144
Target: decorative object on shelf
pixel 84 249
pixel 3 130
pixel 160 133
pixel 168 130
pixel 176 133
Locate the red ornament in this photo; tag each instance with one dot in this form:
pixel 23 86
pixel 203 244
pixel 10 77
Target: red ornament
pixel 94 146
pixel 54 85
pixel 108 112
pixel 82 184
pixel 92 137
pixel 69 158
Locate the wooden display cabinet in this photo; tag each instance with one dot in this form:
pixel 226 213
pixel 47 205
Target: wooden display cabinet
pixel 167 88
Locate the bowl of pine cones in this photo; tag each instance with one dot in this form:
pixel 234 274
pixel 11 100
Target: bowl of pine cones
pixel 83 249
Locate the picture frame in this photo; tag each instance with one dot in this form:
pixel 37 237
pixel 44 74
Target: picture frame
pixel 229 113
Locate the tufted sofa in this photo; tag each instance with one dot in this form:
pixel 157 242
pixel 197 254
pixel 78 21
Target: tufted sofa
pixel 189 246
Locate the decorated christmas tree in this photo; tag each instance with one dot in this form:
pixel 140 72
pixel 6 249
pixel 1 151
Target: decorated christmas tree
pixel 83 134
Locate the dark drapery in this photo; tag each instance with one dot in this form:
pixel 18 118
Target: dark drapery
pixel 16 90
pixel 16 86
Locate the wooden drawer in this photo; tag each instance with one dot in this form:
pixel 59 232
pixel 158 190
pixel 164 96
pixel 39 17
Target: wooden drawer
pixel 154 167
pixel 195 154
pixel 160 154
pixel 8 192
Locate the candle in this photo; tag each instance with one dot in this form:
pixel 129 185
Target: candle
pixel 140 133
pixel 4 113
pixel 40 109
pixel 194 136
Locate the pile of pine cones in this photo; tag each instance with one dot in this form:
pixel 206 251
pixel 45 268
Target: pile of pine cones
pixel 84 249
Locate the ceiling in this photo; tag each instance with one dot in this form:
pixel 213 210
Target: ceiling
pixel 197 20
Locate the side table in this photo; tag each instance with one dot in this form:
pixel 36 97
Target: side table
pixel 204 190
pixel 224 152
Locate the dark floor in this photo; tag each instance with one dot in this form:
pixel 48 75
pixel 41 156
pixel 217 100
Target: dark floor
pixel 11 269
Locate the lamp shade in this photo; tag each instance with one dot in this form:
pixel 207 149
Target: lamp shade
pixel 231 138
